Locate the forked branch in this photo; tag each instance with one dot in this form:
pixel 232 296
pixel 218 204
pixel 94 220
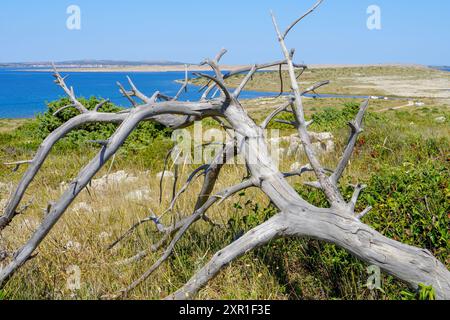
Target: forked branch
pixel 338 224
pixel 60 81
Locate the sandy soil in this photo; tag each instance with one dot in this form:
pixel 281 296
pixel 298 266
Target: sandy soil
pixel 401 86
pixel 412 81
pixel 437 88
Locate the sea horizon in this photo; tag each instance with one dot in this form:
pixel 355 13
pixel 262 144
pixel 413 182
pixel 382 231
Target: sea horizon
pixel 26 93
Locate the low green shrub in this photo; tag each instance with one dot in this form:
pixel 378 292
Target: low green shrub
pixel 328 119
pixel 425 293
pixel 411 205
pixel 48 122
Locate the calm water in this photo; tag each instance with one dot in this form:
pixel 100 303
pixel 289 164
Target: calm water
pixel 24 94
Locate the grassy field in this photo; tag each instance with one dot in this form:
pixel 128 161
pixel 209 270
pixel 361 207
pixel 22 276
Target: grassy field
pixel 8 125
pixel 403 156
pixel 395 81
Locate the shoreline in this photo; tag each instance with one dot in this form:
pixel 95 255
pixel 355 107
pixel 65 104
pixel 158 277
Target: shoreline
pixel 195 68
pixel 417 83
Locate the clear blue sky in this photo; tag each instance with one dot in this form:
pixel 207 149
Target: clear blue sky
pixel 412 31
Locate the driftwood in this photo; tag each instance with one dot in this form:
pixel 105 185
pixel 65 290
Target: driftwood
pixel 338 224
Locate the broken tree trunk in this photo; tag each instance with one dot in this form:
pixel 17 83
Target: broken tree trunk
pixel 339 224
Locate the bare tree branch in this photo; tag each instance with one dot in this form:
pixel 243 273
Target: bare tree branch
pixel 261 67
pixel 244 82
pixel 276 112
pixel 330 189
pixel 364 213
pixel 100 105
pixel 60 81
pixel 196 216
pixel 127 94
pixel 316 86
pixel 194 175
pixel 218 82
pixel 358 189
pixel 17 164
pixel 185 84
pixel 63 108
pixel 356 130
pixel 135 92
pixel 214 64
pixel 301 18
pixel 299 172
pixel 257 237
pixel 339 224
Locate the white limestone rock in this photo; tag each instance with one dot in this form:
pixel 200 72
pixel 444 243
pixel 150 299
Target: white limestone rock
pixel 296 166
pixel 166 174
pixel 73 246
pixel 82 207
pixel 440 120
pixel 139 195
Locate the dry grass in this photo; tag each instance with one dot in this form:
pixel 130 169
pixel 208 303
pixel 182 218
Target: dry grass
pixel 106 214
pixel 8 125
pixel 395 81
pixel 280 270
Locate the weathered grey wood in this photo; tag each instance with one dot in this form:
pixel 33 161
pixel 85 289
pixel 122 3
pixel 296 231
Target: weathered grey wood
pixel 412 265
pixel 42 154
pixel 189 221
pixel 125 129
pixel 339 224
pixel 168 120
pixel 259 236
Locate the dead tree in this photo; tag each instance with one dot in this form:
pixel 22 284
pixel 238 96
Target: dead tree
pixel 338 224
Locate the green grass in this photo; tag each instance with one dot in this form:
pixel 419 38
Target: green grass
pixel 343 80
pixel 403 157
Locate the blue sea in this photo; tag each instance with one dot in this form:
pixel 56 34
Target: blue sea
pixel 23 94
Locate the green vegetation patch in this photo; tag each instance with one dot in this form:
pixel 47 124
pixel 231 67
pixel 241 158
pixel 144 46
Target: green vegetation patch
pixel 48 122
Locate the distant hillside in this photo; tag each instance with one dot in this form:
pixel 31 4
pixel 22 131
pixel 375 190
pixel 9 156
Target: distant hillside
pixel 88 63
pixel 444 68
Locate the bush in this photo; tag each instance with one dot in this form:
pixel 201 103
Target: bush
pixel 411 205
pixel 425 293
pixel 328 119
pixel 48 122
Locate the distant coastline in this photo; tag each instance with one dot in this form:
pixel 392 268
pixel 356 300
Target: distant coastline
pixel 196 68
pixel 442 68
pixel 134 69
pixel 162 66
pixel 395 80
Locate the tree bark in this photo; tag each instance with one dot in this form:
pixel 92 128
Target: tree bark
pixel 410 264
pixel 339 225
